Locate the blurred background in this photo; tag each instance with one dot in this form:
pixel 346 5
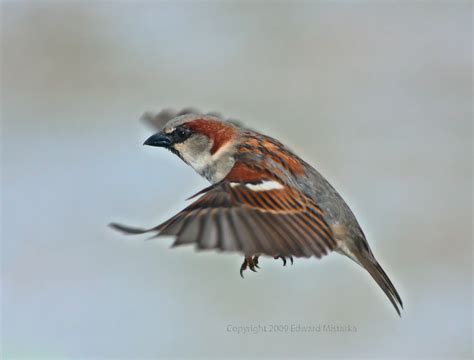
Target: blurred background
pixel 377 96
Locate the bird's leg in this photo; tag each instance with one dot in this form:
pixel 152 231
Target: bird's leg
pixel 251 263
pixel 284 259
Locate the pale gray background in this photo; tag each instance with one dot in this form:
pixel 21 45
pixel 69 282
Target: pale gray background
pixel 376 96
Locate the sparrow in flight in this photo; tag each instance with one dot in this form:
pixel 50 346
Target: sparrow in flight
pixel 263 199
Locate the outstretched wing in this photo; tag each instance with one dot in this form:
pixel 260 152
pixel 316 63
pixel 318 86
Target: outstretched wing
pixel 265 217
pixel 159 120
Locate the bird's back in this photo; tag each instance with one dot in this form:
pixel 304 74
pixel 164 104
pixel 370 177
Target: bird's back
pixel 311 183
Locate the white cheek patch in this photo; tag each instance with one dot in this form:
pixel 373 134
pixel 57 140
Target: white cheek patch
pixel 198 162
pixel 263 186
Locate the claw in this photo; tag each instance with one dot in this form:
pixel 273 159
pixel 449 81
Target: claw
pixel 249 262
pixel 243 267
pixel 282 258
pixel 255 261
pixel 252 267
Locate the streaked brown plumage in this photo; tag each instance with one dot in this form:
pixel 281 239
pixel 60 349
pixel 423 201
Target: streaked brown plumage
pixel 264 200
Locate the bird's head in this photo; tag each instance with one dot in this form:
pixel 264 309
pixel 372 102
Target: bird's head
pixel 204 142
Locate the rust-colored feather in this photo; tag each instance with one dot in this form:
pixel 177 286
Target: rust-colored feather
pixel 218 131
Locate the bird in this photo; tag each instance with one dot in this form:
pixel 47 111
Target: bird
pixel 263 199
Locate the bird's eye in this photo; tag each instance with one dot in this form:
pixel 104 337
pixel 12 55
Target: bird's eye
pixel 181 134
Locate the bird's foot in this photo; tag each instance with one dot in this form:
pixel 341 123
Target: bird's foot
pixel 251 263
pixel 284 259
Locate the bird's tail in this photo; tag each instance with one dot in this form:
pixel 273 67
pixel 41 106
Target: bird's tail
pixel 360 252
pixel 369 263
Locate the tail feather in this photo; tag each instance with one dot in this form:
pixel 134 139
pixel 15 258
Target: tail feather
pixel 390 285
pixel 381 278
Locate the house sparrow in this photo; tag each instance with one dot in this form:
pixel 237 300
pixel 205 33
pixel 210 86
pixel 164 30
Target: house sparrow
pixel 264 199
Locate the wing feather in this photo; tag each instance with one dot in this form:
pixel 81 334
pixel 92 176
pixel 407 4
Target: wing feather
pixel 233 217
pixel 229 240
pixel 190 230
pixel 209 238
pixel 233 221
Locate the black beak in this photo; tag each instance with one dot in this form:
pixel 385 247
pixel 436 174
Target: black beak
pixel 159 139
